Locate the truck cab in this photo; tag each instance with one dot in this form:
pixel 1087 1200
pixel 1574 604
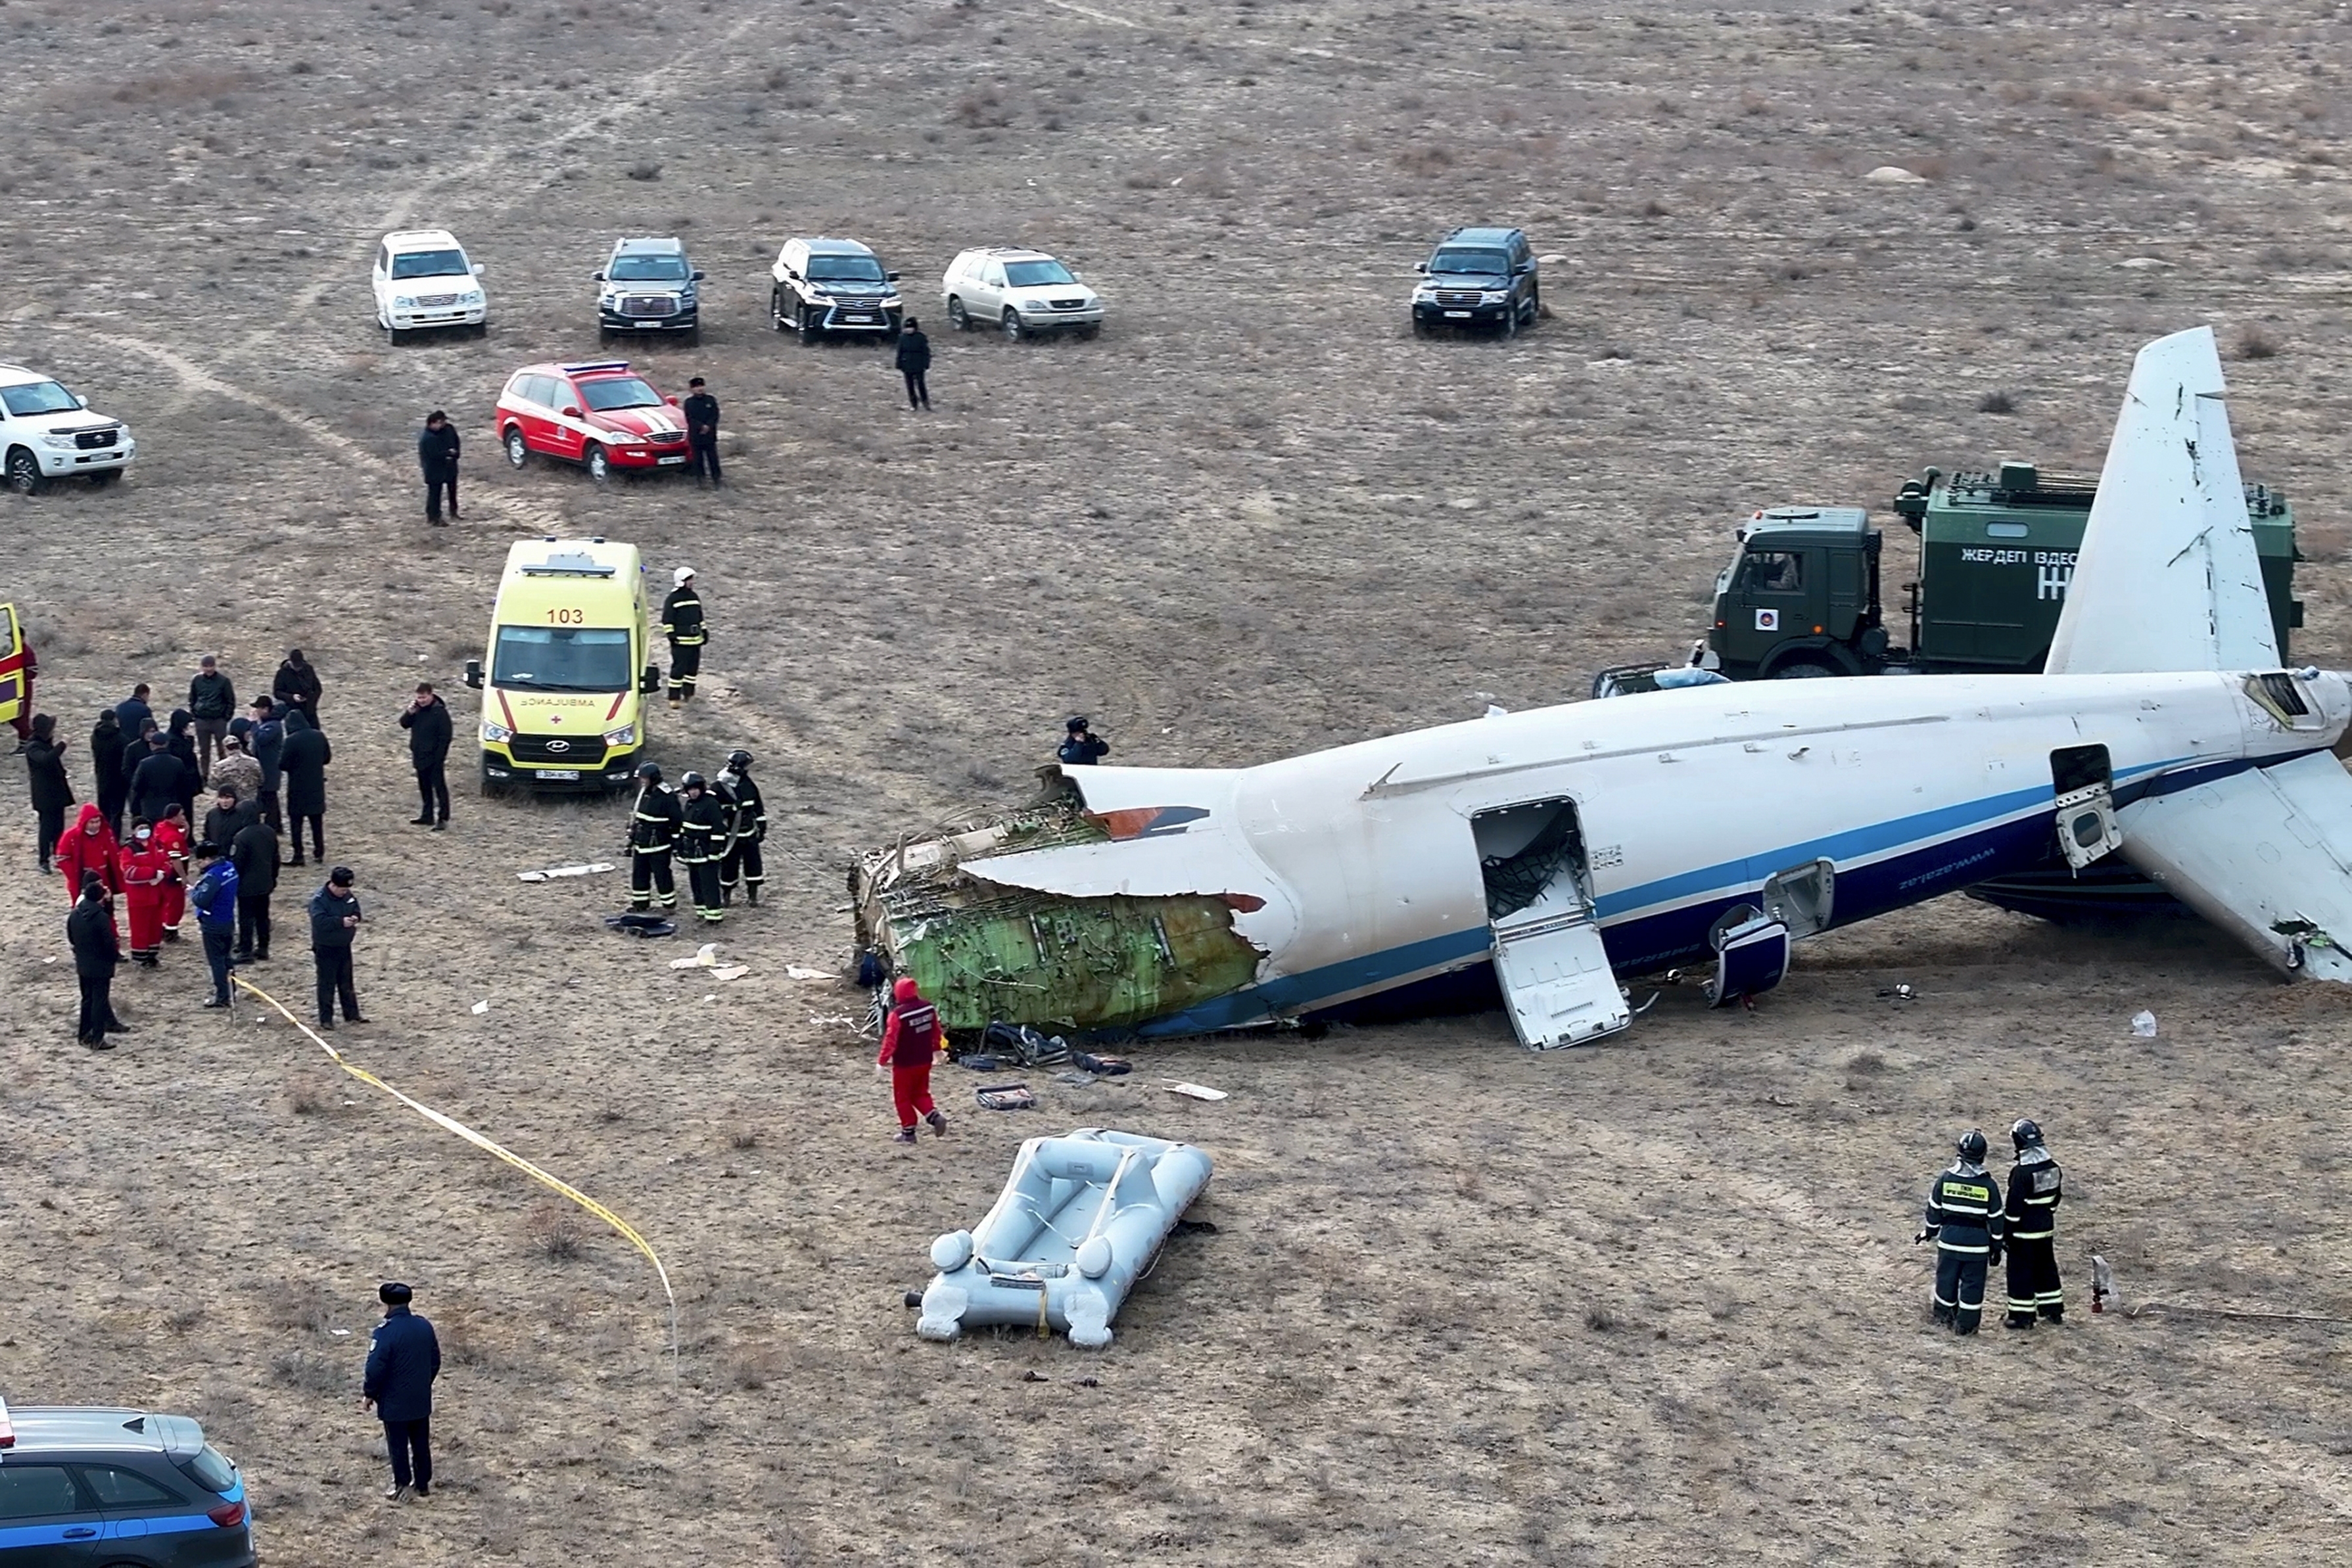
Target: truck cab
pixel 1801 597
pixel 568 670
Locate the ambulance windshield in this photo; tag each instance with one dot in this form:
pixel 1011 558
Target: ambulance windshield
pixel 562 659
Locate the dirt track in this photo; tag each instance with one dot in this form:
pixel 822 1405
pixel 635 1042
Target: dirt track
pixel 1638 1304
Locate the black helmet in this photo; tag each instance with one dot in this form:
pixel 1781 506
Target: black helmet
pixel 1972 1146
pixel 695 781
pixel 739 759
pixel 2026 1133
pixel 649 772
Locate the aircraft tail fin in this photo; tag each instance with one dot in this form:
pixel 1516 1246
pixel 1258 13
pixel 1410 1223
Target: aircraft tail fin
pixel 2168 578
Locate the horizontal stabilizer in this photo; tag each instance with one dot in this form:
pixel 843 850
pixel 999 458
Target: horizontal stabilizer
pixel 2167 576
pixel 2265 854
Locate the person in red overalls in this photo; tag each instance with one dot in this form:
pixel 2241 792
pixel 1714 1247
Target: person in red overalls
pixel 171 838
pixel 910 1040
pixel 146 873
pixel 88 845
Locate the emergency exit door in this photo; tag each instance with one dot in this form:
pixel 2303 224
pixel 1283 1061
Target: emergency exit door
pixel 1549 959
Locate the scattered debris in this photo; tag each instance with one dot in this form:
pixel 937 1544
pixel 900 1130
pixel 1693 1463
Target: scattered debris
pixel 979 1062
pixel 2142 263
pixel 1893 174
pixel 585 869
pixel 481 1008
pixel 1193 1091
pixel 1005 1097
pixel 340 1333
pixel 730 972
pixel 1900 993
pixel 1107 1066
pixel 2143 1025
pixel 801 972
pixel 2103 1284
pixel 636 925
pixel 705 956
pixel 1076 1079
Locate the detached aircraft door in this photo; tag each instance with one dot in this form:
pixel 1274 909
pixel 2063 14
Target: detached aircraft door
pixel 1556 983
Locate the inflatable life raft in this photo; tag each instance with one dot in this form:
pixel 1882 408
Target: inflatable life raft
pixel 1075 1226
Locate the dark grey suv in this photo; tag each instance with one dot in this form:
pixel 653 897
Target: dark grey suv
pixel 648 285
pixel 88 1487
pixel 1479 277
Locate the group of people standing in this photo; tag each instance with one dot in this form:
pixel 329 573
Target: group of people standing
pixel 711 827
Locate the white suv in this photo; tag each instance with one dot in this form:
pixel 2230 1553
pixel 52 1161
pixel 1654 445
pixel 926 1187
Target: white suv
pixel 423 279
pixel 47 432
pixel 1020 292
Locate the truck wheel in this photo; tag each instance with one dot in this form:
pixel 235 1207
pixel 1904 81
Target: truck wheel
pixel 1419 328
pixel 958 319
pixel 518 453
pixel 1511 320
pixel 23 471
pixel 1803 670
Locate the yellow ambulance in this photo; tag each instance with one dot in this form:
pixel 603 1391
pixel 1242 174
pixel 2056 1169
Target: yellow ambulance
pixel 569 668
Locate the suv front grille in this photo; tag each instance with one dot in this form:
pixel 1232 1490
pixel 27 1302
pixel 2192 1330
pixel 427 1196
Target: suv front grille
pixel 1069 304
pixel 434 301
pixel 540 749
pixel 667 438
pixel 89 440
pixel 648 305
pixel 1458 297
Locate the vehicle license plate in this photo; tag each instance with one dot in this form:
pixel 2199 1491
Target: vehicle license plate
pixel 558 773
pixel 677 459
pixel 1462 313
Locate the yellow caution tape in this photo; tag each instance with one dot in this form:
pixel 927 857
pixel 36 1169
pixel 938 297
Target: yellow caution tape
pixel 553 1183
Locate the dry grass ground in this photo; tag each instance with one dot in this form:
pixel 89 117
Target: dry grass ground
pixel 1646 1303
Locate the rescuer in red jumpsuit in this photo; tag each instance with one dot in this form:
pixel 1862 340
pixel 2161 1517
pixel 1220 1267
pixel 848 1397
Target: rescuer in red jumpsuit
pixel 88 845
pixel 910 1040
pixel 171 838
pixel 146 871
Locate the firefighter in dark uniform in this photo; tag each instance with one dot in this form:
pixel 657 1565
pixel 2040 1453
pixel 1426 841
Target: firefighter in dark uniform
pixel 653 833
pixel 1963 1215
pixel 702 844
pixel 2032 1233
pixel 682 625
pixel 748 823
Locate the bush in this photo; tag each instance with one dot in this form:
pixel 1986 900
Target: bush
pixel 1995 403
pixel 2253 343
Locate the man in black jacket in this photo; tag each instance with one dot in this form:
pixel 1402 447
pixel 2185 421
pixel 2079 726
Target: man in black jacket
pixel 436 453
pixel 426 720
pixel 748 826
pixel 296 687
pixel 212 703
pixel 227 817
pixel 155 780
pixel 335 915
pixel 265 738
pixel 44 771
pixel 90 931
pixel 107 744
pixel 915 363
pixel 404 1358
pixel 652 834
pixel 702 432
pixel 302 765
pixel 702 844
pixel 254 853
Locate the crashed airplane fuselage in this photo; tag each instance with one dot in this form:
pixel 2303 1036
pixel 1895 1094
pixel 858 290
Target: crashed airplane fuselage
pixel 1711 825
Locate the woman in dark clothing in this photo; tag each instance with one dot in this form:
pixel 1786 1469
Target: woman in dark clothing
pixel 302 770
pixel 45 770
pixel 183 745
pixel 106 746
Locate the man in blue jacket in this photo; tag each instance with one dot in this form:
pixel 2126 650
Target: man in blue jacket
pixel 214 896
pixel 404 1358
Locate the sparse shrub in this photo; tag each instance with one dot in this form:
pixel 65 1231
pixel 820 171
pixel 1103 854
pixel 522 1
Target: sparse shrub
pixel 753 1370
pixel 1426 161
pixel 554 1229
pixel 1865 1064
pixel 2253 343
pixel 1995 403
pixel 744 1138
pixel 308 1370
pixel 1600 1319
pixel 644 171
pixel 1656 209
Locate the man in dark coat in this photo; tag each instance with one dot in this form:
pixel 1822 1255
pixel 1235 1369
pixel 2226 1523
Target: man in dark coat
pixel 915 363
pixel 45 774
pixel 155 781
pixel 404 1358
pixel 297 685
pixel 107 743
pixel 1081 746
pixel 90 931
pixel 436 453
pixel 131 709
pixel 254 853
pixel 426 720
pixel 302 763
pixel 212 703
pixel 226 818
pixel 334 916
pixel 182 744
pixel 701 413
pixel 264 736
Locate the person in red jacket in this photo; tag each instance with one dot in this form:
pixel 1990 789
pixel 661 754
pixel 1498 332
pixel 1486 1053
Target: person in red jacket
pixel 171 838
pixel 146 871
pixel 88 845
pixel 910 1040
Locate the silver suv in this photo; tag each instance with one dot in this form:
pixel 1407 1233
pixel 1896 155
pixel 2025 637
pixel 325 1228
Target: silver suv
pixel 823 286
pixel 122 1488
pixel 1020 292
pixel 648 285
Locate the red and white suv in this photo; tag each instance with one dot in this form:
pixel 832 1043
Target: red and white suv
pixel 601 415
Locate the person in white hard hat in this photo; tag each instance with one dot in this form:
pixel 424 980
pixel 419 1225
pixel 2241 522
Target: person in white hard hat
pixel 682 625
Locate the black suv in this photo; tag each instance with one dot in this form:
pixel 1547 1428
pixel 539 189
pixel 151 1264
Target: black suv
pixel 120 1488
pixel 1477 277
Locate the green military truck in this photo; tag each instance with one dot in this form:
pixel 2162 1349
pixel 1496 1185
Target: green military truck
pixel 1801 598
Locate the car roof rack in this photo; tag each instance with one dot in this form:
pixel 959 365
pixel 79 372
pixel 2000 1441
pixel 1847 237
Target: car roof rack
pixel 586 365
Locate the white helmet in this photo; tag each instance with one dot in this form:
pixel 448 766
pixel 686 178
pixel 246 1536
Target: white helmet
pixel 682 576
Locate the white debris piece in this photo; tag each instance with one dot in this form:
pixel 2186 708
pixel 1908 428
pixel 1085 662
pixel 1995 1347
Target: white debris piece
pixel 481 1008
pixel 730 972
pixel 2143 1025
pixel 587 869
pixel 1893 175
pixel 2142 263
pixel 705 956
pixel 802 972
pixel 1194 1091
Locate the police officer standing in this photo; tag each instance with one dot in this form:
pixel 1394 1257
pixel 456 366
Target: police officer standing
pixel 748 817
pixel 2033 1214
pixel 1964 1216
pixel 1081 746
pixel 682 625
pixel 652 834
pixel 701 411
pixel 404 1358
pixel 702 844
